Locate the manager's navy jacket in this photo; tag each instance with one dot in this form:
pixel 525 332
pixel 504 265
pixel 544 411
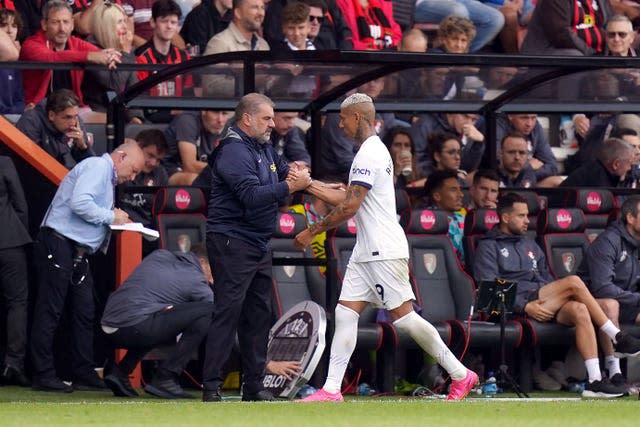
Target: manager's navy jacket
pixel 247 186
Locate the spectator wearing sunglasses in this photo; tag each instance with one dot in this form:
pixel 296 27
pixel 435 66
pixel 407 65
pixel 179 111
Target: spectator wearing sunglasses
pixel 611 84
pixel 619 36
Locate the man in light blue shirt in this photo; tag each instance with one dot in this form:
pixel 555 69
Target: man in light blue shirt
pixel 75 225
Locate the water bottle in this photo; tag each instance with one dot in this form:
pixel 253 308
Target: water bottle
pixel 364 389
pixel 305 390
pixel 490 387
pixel 567 133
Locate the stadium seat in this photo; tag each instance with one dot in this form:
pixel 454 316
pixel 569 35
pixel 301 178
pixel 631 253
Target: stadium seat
pixel 290 283
pixel 180 216
pixel 561 236
pixel 403 206
pixel 131 130
pixel 539 338
pixel 99 131
pixel 476 224
pixel 444 291
pixel 598 205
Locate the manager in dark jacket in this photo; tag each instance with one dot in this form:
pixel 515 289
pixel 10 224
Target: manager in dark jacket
pixel 166 295
pixel 614 161
pixel 508 253
pixel 611 270
pixel 13 271
pixel 248 182
pixel 55 126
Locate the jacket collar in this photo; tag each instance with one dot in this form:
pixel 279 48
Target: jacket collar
pixel 624 233
pixel 496 234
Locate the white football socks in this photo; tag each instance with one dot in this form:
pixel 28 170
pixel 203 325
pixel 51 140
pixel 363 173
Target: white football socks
pixel 429 340
pixel 610 329
pixel 612 364
pixel 593 369
pixel 342 346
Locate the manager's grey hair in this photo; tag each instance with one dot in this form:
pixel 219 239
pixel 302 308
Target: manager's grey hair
pixel 615 149
pixel 251 103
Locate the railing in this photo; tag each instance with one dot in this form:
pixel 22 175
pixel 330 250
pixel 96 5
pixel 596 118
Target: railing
pixel 537 73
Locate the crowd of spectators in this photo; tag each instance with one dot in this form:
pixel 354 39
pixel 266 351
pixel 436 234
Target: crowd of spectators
pixel 111 33
pixel 444 153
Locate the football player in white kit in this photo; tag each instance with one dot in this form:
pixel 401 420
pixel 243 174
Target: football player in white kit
pixel 378 271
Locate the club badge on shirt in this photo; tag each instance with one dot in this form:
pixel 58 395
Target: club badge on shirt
pixel 623 256
pixel 534 262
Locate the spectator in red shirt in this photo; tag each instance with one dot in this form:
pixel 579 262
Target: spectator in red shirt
pixel 54 43
pixel 160 50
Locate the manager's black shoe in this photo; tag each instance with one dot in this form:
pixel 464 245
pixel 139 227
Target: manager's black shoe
pixel 89 382
pixel 211 396
pixel 11 375
pixel 261 396
pixel 167 388
pixel 626 345
pixel 50 384
pixel 120 385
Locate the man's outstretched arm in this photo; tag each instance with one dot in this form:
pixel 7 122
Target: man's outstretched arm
pixel 344 210
pixel 331 193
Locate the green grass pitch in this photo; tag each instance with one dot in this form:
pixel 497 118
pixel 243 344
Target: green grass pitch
pixel 23 407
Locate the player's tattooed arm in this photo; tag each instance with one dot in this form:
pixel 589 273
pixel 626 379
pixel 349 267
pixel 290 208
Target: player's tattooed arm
pixel 343 211
pixel 332 193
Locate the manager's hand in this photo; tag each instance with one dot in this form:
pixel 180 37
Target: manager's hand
pixel 298 179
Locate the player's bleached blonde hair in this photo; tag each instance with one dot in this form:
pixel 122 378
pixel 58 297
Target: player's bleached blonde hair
pixel 356 98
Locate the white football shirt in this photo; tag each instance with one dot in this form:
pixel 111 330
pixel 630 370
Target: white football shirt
pixel 379 235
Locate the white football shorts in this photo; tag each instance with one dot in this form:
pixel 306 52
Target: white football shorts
pixel 384 284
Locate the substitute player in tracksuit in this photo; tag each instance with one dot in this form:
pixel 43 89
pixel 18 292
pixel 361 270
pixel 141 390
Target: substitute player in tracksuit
pixel 611 270
pixel 508 253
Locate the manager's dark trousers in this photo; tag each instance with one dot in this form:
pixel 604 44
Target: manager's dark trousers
pixel 191 319
pixel 14 286
pixel 242 274
pixel 54 256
